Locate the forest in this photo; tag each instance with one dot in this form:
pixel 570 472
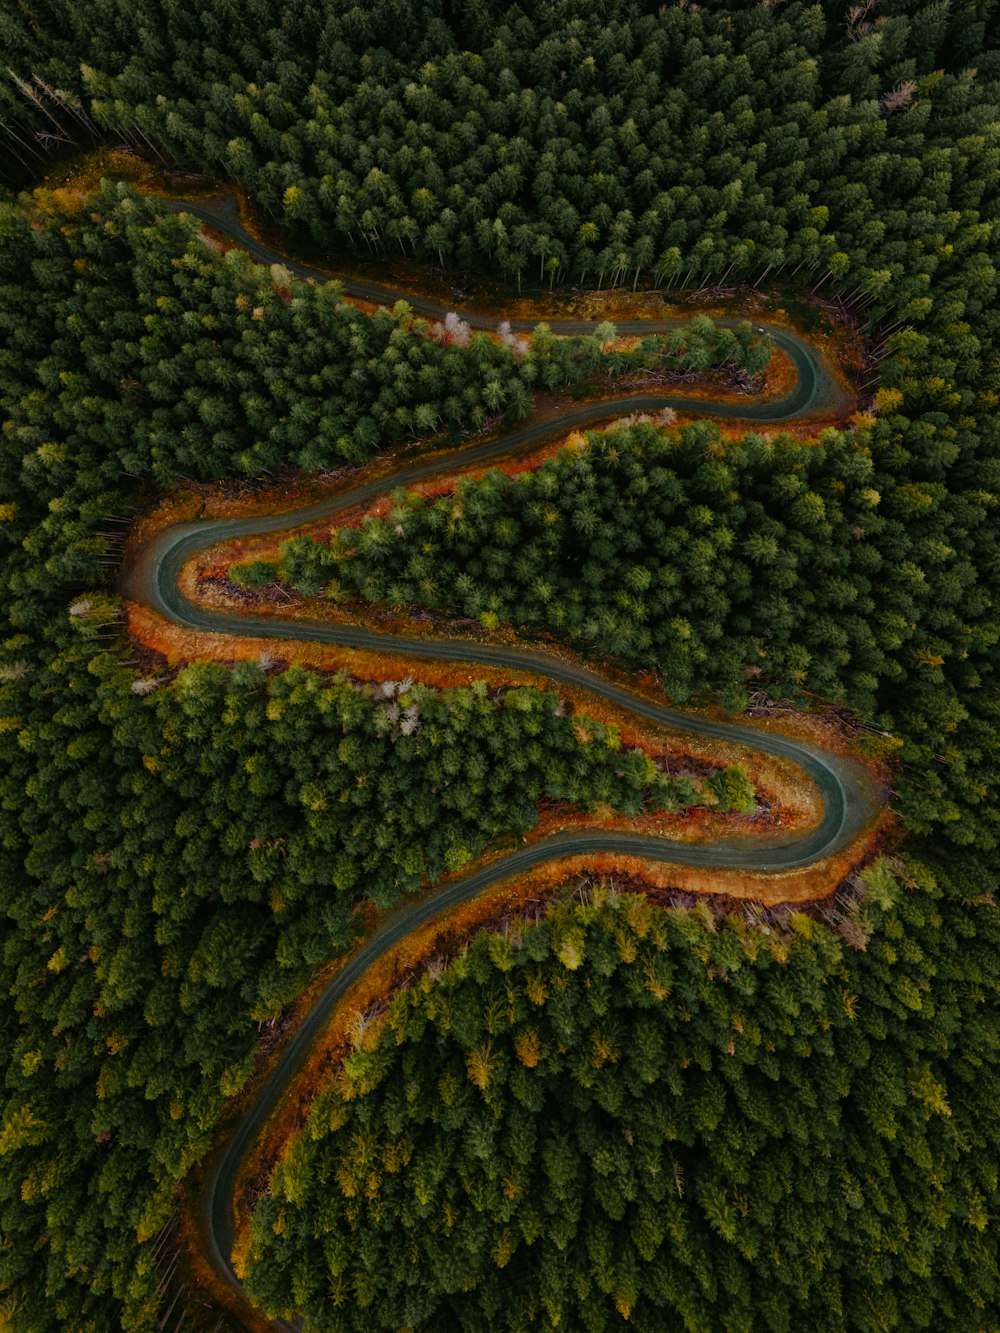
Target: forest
pixel 623 1115
pixel 667 1116
pixel 142 808
pixel 673 549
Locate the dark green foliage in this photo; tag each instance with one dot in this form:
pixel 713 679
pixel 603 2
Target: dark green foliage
pixel 623 1113
pixel 167 861
pixel 175 866
pixel 254 574
pixel 130 347
pixel 700 556
pixel 564 140
pixel 764 562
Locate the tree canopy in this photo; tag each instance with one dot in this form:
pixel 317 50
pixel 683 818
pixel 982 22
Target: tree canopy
pixel 622 1115
pixel 180 848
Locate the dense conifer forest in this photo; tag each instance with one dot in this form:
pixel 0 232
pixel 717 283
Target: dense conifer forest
pixel 670 1116
pixel 621 1114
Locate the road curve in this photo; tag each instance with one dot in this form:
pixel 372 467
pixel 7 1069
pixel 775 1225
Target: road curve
pixel 849 799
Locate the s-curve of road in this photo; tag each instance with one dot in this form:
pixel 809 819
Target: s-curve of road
pixel 849 798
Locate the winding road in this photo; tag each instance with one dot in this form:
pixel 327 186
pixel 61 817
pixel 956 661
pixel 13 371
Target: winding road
pixel 850 800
